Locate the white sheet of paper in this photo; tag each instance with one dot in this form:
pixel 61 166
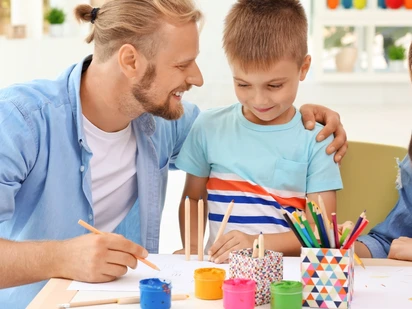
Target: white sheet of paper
pixel 378 287
pixel 174 268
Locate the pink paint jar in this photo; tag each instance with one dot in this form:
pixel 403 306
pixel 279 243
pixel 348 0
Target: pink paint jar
pixel 239 294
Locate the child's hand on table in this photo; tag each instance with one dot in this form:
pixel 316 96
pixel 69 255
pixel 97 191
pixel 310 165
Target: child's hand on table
pixel 234 240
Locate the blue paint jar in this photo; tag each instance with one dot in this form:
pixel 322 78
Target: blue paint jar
pixel 382 4
pixel 347 4
pixel 155 293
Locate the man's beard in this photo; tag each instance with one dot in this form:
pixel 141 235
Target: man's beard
pixel 146 100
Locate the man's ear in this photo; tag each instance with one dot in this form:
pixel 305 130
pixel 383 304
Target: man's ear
pixel 131 62
pixel 305 67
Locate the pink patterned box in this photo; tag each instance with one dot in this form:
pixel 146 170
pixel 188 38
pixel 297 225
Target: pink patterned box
pixel 263 271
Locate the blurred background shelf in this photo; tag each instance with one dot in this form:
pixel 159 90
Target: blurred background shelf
pixel 359 40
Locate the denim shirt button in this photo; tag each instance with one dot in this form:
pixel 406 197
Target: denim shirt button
pixel 90 217
pixel 82 168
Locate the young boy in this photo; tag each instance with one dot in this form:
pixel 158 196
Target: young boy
pixel 257 152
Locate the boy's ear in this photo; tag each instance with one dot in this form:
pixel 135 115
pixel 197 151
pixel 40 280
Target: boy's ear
pixel 305 67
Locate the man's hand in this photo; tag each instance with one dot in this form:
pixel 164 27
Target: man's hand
pixel 98 258
pixel 401 249
pixel 312 113
pixel 234 240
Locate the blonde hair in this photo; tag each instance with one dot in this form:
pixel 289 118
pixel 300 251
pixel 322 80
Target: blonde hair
pixel 260 32
pixel 135 22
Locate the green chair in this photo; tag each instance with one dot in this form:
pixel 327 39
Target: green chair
pixel 369 173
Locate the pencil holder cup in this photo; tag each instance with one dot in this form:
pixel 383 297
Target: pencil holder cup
pixel 209 282
pixel 327 277
pixel 239 294
pixel 263 271
pixel 286 295
pixel 155 294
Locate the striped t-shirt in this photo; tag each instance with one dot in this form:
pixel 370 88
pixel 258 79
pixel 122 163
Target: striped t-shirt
pixel 262 168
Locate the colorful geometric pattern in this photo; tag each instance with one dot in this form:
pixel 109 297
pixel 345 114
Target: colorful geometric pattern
pixel 327 277
pixel 262 271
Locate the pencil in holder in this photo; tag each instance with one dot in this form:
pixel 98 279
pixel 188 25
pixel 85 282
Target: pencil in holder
pixel 327 277
pixel 263 271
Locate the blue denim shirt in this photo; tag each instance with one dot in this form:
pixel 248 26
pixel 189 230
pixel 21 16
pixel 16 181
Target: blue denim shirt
pixel 45 179
pixel 398 222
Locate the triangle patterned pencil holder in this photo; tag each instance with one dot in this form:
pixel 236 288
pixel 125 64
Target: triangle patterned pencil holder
pixel 327 277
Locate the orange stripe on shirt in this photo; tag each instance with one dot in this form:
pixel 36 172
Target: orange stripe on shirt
pixel 244 186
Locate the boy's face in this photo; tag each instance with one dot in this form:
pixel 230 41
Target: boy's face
pixel 267 96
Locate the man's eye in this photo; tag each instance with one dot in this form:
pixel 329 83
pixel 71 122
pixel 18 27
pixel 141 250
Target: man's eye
pixel 242 85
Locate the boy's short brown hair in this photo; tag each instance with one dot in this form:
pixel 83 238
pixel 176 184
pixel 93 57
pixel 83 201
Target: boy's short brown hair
pixel 260 32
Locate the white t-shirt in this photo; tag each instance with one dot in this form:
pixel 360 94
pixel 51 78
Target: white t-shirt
pixel 113 172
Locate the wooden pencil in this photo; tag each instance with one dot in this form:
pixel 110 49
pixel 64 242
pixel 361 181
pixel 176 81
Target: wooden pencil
pixel 225 220
pixel 261 242
pixel 255 249
pixel 96 231
pixel 187 228
pixel 200 222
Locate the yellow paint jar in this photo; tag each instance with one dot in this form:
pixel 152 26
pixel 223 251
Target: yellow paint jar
pixel 209 282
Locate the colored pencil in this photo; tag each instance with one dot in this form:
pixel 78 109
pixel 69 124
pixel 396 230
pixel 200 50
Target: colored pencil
pixel 313 209
pixel 121 300
pixel 326 221
pixel 306 233
pixel 358 223
pixel 345 235
pixel 200 223
pixel 292 227
pixel 187 228
pixel 298 229
pixel 225 220
pixel 309 229
pixel 323 230
pixel 96 231
pixel 357 233
pixel 335 230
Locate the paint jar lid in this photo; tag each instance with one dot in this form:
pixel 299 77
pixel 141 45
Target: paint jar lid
pixel 239 285
pixel 155 284
pixel 286 287
pixel 210 274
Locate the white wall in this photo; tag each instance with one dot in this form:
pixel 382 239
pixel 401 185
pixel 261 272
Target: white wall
pixel 22 60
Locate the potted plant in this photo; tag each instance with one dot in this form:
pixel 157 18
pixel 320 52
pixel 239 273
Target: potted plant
pixel 396 55
pixel 56 18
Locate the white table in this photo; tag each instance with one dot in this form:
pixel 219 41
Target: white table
pixel 55 292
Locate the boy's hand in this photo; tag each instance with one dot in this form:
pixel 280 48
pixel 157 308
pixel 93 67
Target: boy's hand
pixel 346 224
pixel 193 250
pixel 401 249
pixel 234 240
pixel 312 113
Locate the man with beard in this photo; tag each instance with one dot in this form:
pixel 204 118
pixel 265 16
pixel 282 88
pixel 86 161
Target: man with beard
pixel 96 144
